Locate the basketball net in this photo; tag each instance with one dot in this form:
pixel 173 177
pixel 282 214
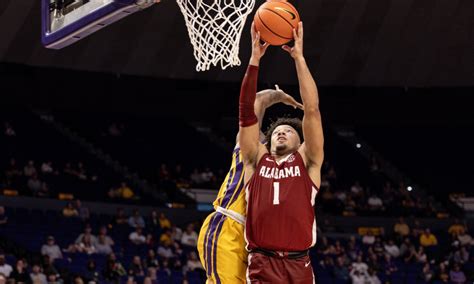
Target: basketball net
pixel 215 28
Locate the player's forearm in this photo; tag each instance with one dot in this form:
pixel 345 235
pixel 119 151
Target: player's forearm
pixel 308 88
pixel 248 92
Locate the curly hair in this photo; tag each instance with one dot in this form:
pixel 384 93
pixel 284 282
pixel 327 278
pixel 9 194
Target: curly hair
pixel 294 122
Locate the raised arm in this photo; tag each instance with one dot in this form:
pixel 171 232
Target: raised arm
pixel 249 131
pixel 312 148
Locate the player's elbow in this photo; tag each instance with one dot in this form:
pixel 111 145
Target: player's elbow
pixel 311 110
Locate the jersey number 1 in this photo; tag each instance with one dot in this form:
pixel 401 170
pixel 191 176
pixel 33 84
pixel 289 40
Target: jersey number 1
pixel 276 193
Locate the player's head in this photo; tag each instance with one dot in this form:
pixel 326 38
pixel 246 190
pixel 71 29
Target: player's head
pixel 284 136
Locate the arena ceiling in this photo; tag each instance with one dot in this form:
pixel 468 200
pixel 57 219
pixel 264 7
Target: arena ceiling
pixel 347 43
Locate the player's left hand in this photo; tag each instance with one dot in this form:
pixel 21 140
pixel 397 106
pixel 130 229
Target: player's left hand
pixel 282 97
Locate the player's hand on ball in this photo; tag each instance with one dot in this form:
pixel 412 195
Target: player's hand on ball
pixel 258 49
pixel 297 50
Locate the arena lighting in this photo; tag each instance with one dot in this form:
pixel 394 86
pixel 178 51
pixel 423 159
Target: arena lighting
pixel 409 188
pixel 358 146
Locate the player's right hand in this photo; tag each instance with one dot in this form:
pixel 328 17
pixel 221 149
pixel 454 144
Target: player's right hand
pixel 258 49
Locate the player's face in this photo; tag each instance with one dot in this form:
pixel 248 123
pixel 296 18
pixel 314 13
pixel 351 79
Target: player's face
pixel 285 139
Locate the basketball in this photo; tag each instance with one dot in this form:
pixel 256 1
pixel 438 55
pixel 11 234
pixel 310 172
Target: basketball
pixel 275 20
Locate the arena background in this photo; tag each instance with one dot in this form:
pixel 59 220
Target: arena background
pixel 396 77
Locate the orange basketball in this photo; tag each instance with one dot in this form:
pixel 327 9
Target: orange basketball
pixel 275 20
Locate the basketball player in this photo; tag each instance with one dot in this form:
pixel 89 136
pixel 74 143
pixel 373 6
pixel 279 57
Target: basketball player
pixel 221 242
pixel 282 178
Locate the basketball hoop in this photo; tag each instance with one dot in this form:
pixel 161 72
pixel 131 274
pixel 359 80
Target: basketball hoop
pixel 215 28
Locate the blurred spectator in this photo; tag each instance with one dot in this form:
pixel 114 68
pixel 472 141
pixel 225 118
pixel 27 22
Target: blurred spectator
pixel 340 271
pixel 13 173
pixel 401 228
pixel 137 237
pixel 392 249
pixel 421 256
pixel 193 262
pixel 5 268
pixel 375 203
pixel 405 247
pixel 189 237
pixel 47 167
pixel 461 254
pixel 154 221
pixel 85 245
pixel 136 220
pixel 372 277
pixel 20 274
pixel 369 238
pixel 36 276
pixel 113 269
pixel 120 218
pixel 29 170
pixel 34 184
pixel 164 222
pixel 358 277
pixel 427 273
pixel 9 131
pixel 83 212
pixel 359 265
pixel 465 239
pixel 416 229
pixel 356 188
pixel 103 233
pixel 123 192
pixel 102 245
pixel 442 273
pixel 51 249
pixel 165 251
pixel 87 232
pixel 427 239
pixel 196 177
pixel 176 233
pixel 456 229
pixel 3 216
pixel 389 267
pixel 151 260
pixel 136 267
pixel 456 275
pixel 49 270
pixel 70 211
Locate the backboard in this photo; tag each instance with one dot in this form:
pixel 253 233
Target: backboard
pixel 65 22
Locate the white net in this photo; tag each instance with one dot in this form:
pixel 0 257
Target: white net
pixel 214 28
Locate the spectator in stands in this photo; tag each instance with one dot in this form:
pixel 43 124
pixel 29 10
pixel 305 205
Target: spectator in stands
pixel 353 249
pixel 427 273
pixel 389 266
pixel 51 249
pixel 372 277
pixel 85 245
pixel 9 131
pixel 70 211
pixel 357 189
pixel 34 184
pixel 83 212
pixel 136 267
pixel 456 275
pixel 113 269
pixel 357 277
pixel 29 170
pixel 375 203
pixel 20 274
pixel 421 256
pixel 124 191
pixel 176 233
pixel 465 239
pixel 13 174
pixel 369 238
pixel 360 265
pixel 456 229
pixel 3 216
pixel 196 177
pixel 47 168
pixel 5 268
pixel 401 229
pixel 49 270
pixel 189 237
pixel 340 271
pixel 102 245
pixel 103 233
pixel 193 262
pixel 91 275
pixel 120 217
pixel 165 251
pixel 460 253
pixel 137 237
pixel 154 222
pixel 136 220
pixel 405 247
pixel 164 222
pixel 392 249
pixel 87 233
pixel 151 260
pixel 427 239
pixel 44 191
pixel 36 276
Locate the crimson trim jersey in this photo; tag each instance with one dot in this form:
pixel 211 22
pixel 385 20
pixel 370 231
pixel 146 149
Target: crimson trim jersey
pixel 280 205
